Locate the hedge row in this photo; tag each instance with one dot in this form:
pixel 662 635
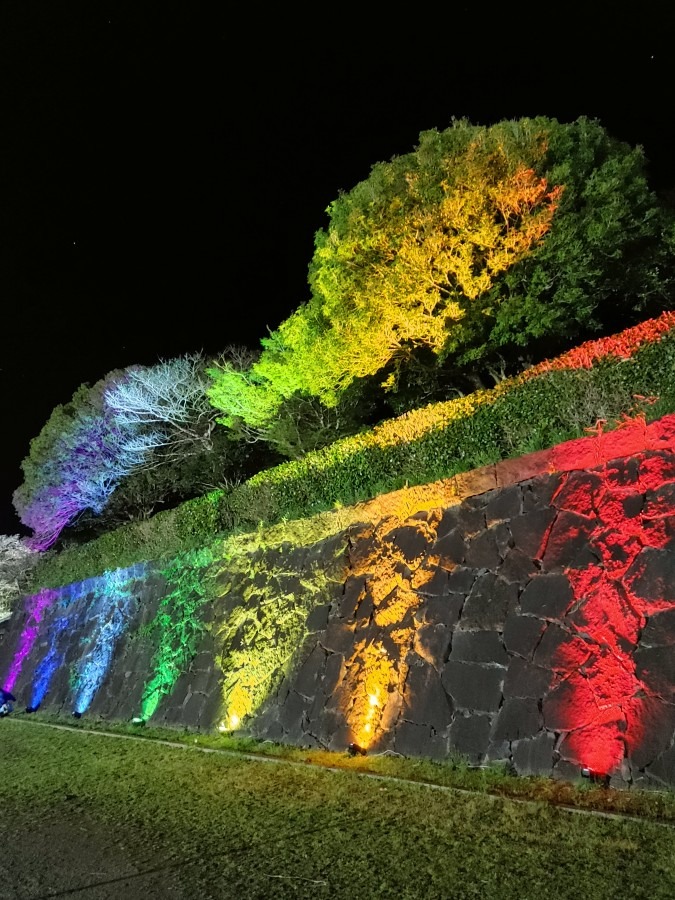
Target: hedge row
pixel 520 415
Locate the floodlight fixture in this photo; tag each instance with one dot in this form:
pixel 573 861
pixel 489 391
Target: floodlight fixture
pixel 356 750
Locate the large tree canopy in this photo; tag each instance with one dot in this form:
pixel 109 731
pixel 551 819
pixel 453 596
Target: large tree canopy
pixel 480 242
pixel 139 437
pixel 482 247
pixel 75 464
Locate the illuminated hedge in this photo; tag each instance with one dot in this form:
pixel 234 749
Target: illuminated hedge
pixel 550 403
pixel 542 406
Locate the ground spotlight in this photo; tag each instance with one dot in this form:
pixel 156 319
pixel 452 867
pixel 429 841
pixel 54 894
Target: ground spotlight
pixel 595 777
pixel 355 750
pixel 77 715
pixel 32 709
pixel 138 720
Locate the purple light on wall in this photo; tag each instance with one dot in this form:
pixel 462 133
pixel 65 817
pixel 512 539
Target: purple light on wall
pixel 35 609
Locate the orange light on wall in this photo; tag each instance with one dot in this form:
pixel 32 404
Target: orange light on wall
pixel 372 676
pixel 377 670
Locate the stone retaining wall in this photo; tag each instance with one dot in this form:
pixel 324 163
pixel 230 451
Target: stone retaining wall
pixel 533 624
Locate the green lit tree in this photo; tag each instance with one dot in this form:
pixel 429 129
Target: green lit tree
pixel 465 257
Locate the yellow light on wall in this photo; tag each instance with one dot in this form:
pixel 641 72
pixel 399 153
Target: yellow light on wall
pixel 231 724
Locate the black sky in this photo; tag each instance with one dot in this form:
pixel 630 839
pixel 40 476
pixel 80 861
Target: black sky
pixel 164 166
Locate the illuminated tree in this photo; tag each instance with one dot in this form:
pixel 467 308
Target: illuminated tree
pixel 16 561
pixel 164 405
pixel 139 438
pixel 284 415
pixel 84 465
pixel 468 250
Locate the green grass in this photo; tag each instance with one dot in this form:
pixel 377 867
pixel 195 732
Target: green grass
pixel 454 772
pixel 235 827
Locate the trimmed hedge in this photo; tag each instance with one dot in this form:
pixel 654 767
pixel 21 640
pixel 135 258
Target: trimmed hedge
pixel 533 411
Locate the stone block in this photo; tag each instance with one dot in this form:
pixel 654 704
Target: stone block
pixel 569 535
pixel 523 468
pixel 522 633
pixel 443 610
pixel 651 577
pixel 365 547
pixel 412 542
pixel 529 531
pixel 633 505
pixel 469 736
pixel 656 667
pixel 424 700
pixel 272 731
pixel 292 714
pixel 650 729
pixel 451 548
pixel 659 630
pixel 477 481
pixel 663 767
pixel 309 674
pixel 338 638
pixel 478 646
pixel 354 591
pixel 483 551
pixel 504 505
pixel 526 680
pixel 578 492
pixel 196 681
pixel 193 705
pixel 517 568
pixel 619 472
pixel 471 522
pixel 436 585
pixel 461 580
pixel 547 596
pixel 539 491
pixel 563 770
pixel 534 755
pixel 339 737
pixel 474 686
pixel 333 673
pixel 419 740
pixel 448 522
pixel 570 705
pixel 490 601
pixel 431 643
pixel 503 539
pixel 549 654
pixel 498 752
pixel 213 704
pixel 317 620
pixel 518 718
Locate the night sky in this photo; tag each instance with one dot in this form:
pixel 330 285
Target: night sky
pixel 164 167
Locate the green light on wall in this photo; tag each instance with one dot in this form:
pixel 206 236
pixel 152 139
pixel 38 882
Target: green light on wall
pixel 178 623
pixel 268 598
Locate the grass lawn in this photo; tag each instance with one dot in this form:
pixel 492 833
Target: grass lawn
pixel 152 820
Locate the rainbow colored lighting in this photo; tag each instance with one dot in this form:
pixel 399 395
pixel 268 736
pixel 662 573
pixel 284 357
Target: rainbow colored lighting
pixel 36 606
pixel 601 707
pixel 113 611
pixel 49 664
pixel 179 624
pixel 622 345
